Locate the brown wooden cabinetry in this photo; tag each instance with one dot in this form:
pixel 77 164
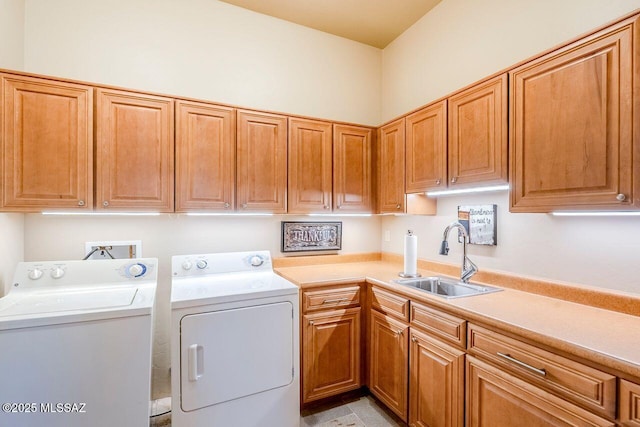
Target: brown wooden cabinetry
pixel 310 166
pixel 352 183
pixel 390 167
pixel 261 162
pixel 47 144
pixel 478 134
pixel 205 157
pixel 572 119
pixel 426 148
pixel 331 341
pixel 629 405
pixel 134 151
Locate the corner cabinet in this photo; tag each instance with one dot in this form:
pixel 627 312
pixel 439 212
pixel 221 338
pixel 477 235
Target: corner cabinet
pixel 390 167
pixel 46 144
pixel 310 166
pixel 352 172
pixel 205 157
pixel 134 151
pixel 574 125
pixel 261 180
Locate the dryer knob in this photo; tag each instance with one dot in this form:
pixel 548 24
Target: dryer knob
pixel 186 265
pixel 57 273
pixel 35 274
pixel 201 264
pixel 256 261
pixel 136 270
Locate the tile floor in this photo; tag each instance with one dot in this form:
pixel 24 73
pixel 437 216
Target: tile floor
pixel 363 411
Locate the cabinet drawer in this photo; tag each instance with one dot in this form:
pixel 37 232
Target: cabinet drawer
pixel 343 296
pixel 586 386
pixel 443 325
pixel 389 303
pixel 629 404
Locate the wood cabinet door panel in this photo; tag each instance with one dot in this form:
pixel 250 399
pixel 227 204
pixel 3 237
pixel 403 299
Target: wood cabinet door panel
pixel 391 160
pixel 330 353
pixel 436 386
pixel 135 151
pixel 389 362
pixel 572 126
pixel 495 398
pixel 47 150
pixel 262 162
pixel 205 157
pixel 352 189
pixel 426 148
pixel 478 134
pixel 629 405
pixel 310 166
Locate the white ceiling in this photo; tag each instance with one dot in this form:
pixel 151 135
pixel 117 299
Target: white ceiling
pixel 373 22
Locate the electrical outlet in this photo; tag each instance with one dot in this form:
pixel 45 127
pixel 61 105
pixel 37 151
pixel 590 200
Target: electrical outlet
pixel 121 249
pixel 387 235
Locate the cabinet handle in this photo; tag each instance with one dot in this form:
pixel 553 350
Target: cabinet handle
pixel 399 332
pixel 621 197
pixel 522 364
pixel 311 322
pixel 454 179
pixel 326 206
pixel 105 203
pixel 438 182
pixel 334 301
pixel 339 207
pixel 244 206
pixel 398 206
pixel 80 202
pixel 414 339
pixel 227 205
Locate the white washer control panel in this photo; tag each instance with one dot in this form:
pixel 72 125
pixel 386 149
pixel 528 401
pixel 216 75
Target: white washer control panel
pixel 220 263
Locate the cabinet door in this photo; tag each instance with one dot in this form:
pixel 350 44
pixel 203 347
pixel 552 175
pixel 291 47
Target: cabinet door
pixel 389 362
pixel 572 117
pixel 495 398
pixel 426 148
pixel 436 385
pixel 352 169
pixel 629 405
pixel 262 162
pixel 134 158
pixel 391 197
pixel 478 134
pixel 47 144
pixel 205 157
pixel 330 353
pixel 310 166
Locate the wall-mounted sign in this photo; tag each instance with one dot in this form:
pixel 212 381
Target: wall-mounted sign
pixel 311 236
pixel 480 222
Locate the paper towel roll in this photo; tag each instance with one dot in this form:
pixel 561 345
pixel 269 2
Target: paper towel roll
pixel 410 254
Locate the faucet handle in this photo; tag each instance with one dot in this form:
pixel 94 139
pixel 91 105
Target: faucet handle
pixel 444 248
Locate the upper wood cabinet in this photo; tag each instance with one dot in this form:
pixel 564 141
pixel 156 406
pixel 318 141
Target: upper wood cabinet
pixel 572 119
pixel 205 157
pixel 47 144
pixel 426 148
pixel 390 167
pixel 261 180
pixel 310 166
pixel 352 186
pixel 478 136
pixel 134 151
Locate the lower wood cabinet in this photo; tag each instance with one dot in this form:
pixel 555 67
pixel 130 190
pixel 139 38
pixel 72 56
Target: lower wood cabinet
pixel 496 398
pixel 389 362
pixel 331 352
pixel 629 404
pixel 436 384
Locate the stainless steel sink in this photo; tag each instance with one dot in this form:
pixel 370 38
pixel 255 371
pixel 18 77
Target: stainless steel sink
pixel 447 288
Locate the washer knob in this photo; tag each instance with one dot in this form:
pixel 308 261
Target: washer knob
pixel 256 261
pixel 136 270
pixel 201 264
pixel 186 264
pixel 57 273
pixel 35 274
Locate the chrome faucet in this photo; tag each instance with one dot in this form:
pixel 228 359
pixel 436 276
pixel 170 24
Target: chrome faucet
pixel 468 267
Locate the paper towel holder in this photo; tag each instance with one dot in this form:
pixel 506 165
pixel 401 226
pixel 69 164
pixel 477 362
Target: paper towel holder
pixel 404 274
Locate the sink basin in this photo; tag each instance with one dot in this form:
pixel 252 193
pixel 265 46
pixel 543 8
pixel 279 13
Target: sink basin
pixel 447 288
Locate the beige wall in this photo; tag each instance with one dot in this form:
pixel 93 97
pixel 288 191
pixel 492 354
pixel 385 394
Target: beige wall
pixel 205 49
pixel 11 57
pixel 460 42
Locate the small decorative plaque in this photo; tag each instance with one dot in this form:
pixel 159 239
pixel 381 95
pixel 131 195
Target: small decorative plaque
pixel 311 236
pixel 480 222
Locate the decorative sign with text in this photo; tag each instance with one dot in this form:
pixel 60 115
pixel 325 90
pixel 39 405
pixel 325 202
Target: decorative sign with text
pixel 311 236
pixel 480 222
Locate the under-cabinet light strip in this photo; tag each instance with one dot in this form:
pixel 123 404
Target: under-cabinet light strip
pixel 228 214
pixel 596 213
pixel 61 213
pixel 467 190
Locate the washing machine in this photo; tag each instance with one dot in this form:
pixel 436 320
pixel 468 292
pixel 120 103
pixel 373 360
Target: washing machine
pixel 75 344
pixel 234 342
